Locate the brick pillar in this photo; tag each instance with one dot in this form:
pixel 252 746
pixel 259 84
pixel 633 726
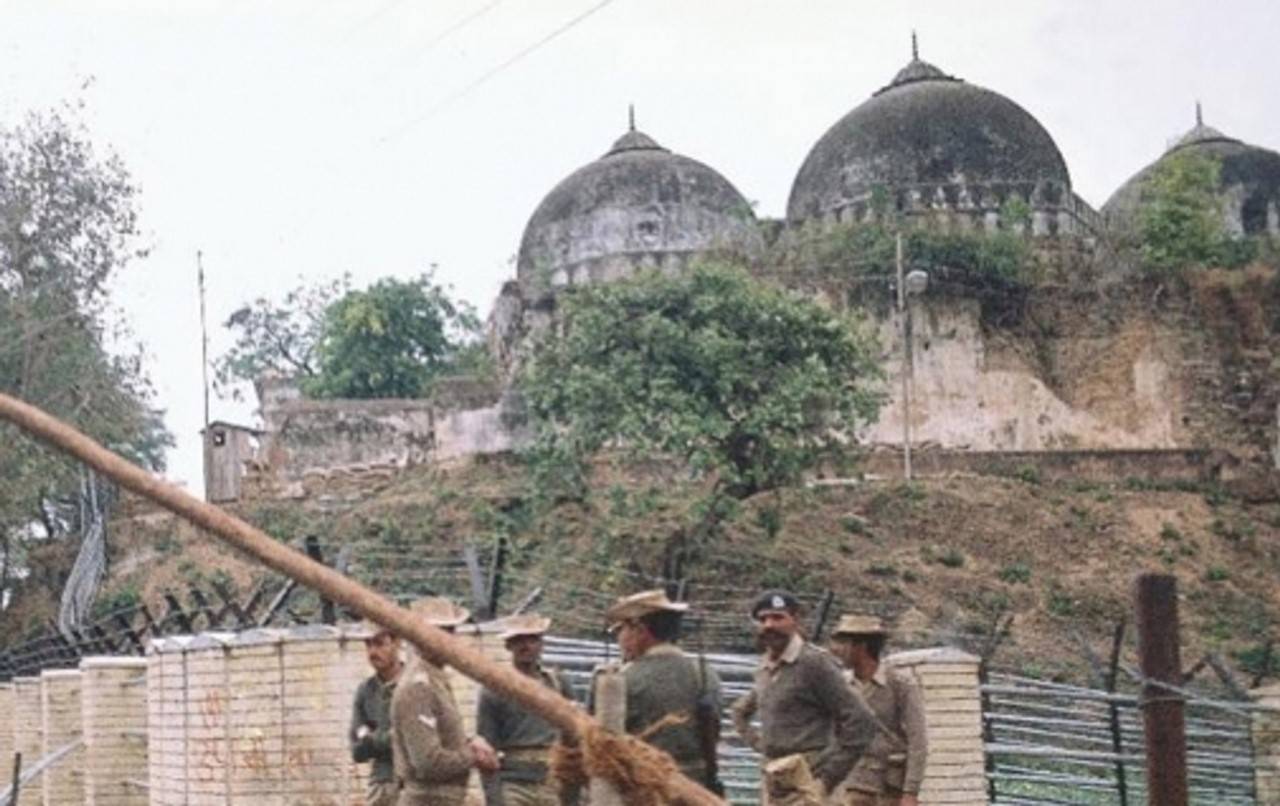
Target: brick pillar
pixel 60 715
pixel 113 702
pixel 1266 745
pixel 948 679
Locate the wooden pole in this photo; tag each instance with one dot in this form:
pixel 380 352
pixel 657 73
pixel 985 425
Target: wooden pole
pixel 1163 720
pixel 610 698
pixel 428 639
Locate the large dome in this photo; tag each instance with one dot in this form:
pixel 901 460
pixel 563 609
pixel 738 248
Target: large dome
pixel 930 136
pixel 1249 182
pixel 638 205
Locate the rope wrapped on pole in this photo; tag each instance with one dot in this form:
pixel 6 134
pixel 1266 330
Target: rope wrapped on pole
pixel 627 755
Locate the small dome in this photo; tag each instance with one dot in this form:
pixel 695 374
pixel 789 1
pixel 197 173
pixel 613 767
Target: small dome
pixel 639 205
pixel 931 132
pixel 1249 182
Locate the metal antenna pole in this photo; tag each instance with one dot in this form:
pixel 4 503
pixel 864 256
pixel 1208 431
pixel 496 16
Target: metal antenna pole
pixel 204 373
pixel 904 314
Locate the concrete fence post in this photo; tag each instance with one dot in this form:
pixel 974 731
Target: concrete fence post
pixel 28 731
pixel 948 679
pixel 1266 745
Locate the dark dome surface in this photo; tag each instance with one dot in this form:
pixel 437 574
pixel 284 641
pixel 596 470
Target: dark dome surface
pixel 639 204
pixel 1250 180
pixel 925 128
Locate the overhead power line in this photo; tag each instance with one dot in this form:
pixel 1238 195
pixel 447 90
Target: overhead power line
pixel 493 72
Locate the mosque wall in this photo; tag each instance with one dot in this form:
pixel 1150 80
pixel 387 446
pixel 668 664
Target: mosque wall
pixel 983 391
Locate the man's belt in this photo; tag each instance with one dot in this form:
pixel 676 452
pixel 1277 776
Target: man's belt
pixel 524 764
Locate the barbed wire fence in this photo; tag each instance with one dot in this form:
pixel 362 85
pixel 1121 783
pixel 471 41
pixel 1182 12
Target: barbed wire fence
pixel 1045 742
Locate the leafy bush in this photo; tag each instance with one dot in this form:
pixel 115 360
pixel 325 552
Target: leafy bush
pixel 1016 573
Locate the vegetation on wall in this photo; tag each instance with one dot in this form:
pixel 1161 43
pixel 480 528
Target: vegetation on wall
pixel 1180 218
pixel 860 258
pixel 744 384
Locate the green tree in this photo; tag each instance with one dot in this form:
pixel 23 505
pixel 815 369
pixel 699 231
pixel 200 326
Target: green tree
pixel 391 340
pixel 1180 217
pixel 744 383
pixel 67 226
pixel 277 336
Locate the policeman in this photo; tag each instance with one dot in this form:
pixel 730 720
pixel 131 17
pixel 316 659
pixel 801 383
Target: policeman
pixel 522 739
pixel 673 700
pixel 804 703
pixel 890 772
pixel 433 755
pixel 370 733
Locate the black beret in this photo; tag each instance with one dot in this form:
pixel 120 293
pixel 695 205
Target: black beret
pixel 775 600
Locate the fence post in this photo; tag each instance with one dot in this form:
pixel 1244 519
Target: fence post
pixel 611 710
pixel 495 575
pixel 1266 745
pixel 1164 723
pixel 1113 708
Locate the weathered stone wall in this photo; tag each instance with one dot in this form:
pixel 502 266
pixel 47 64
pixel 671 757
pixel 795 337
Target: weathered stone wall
pixel 972 392
pixel 334 448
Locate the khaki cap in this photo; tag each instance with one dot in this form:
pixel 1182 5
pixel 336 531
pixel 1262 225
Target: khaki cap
pixel 367 629
pixel 530 624
pixel 642 604
pixel 439 611
pixel 859 625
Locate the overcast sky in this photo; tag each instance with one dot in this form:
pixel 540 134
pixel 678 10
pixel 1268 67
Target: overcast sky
pixel 307 138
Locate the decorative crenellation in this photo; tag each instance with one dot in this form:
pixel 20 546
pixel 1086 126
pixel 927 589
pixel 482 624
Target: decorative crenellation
pixel 1041 209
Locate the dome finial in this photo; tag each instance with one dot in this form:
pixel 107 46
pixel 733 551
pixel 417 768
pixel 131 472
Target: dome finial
pixel 915 46
pixel 631 117
pixel 1199 114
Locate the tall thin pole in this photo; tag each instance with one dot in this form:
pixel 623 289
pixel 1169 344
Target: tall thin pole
pixel 204 371
pixel 904 314
pixel 1163 720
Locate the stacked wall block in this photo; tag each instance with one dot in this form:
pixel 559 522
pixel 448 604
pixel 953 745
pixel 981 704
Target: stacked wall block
pixel 948 678
pixel 114 713
pixel 321 668
pixel 60 712
pixel 27 732
pixel 205 719
pixel 255 719
pixel 6 733
pixel 1266 745
pixel 166 721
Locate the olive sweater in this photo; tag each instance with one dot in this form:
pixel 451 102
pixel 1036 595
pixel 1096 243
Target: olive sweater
pixel 805 705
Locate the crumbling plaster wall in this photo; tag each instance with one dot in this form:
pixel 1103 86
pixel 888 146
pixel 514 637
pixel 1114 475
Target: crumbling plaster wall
pixel 975 391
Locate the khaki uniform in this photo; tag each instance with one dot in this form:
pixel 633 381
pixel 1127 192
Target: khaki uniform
pixel 525 740
pixel 806 707
pixel 432 759
pixel 372 710
pixel 894 764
